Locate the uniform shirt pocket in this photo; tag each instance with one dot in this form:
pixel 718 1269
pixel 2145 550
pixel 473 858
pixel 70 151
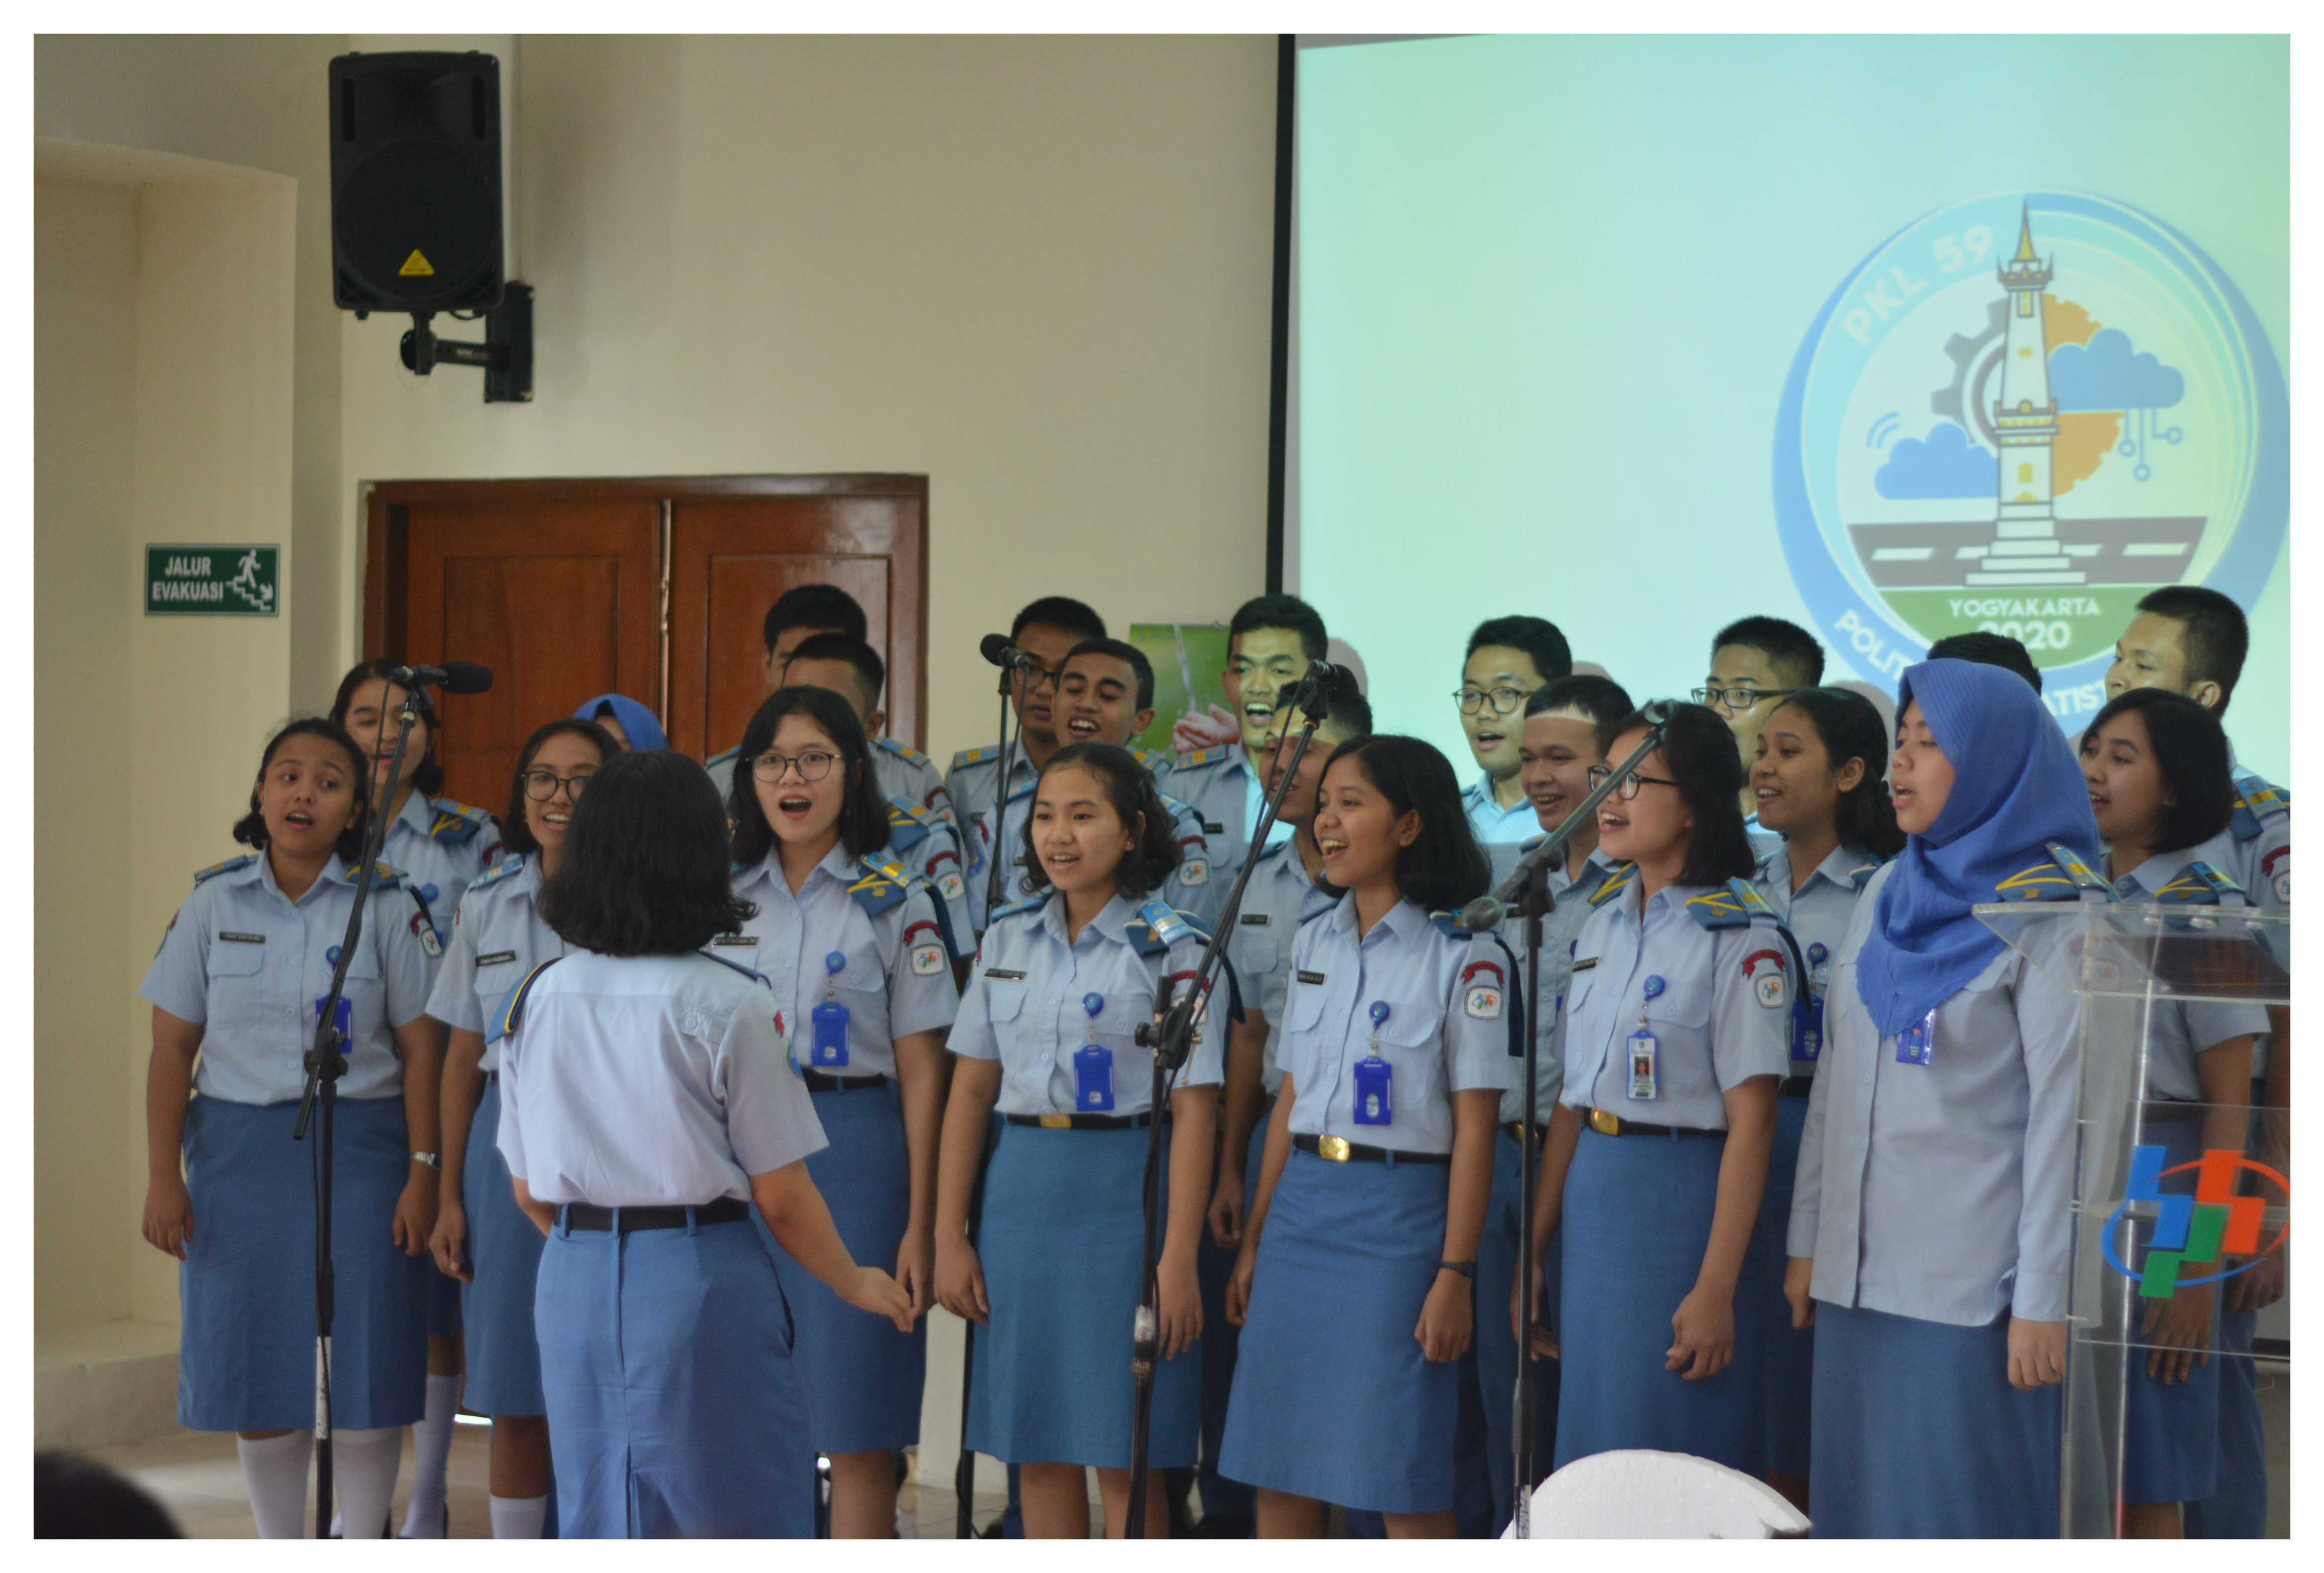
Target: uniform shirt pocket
pixel 235 982
pixel 1004 998
pixel 1254 954
pixel 1412 1040
pixel 1681 1017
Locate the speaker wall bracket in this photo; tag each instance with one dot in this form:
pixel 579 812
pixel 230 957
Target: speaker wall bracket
pixel 506 355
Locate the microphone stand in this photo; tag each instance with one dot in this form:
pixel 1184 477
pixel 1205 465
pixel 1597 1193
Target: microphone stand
pixel 1171 1039
pixel 326 1064
pixel 1525 892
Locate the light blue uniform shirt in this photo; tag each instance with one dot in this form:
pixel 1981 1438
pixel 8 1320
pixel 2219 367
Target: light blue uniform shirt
pixel 1225 793
pixel 1025 1005
pixel 1448 1026
pixel 1190 887
pixel 2180 1030
pixel 2261 835
pixel 1944 1191
pixel 441 847
pixel 897 980
pixel 1559 931
pixel 901 770
pixel 245 963
pixel 1494 826
pixel 1817 914
pixel 928 847
pixel 497 939
pixel 1281 897
pixel 1721 1015
pixel 646 1082
pixel 1764 842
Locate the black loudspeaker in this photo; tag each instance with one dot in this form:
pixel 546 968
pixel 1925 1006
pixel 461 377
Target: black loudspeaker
pixel 416 182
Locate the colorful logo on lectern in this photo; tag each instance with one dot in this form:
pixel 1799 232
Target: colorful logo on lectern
pixel 2191 1233
pixel 2021 414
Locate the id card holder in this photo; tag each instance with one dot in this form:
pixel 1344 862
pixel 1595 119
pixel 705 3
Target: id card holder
pixel 1646 1054
pixel 1094 1078
pixel 344 1019
pixel 830 1050
pixel 1375 1091
pixel 1811 1044
pixel 1916 1043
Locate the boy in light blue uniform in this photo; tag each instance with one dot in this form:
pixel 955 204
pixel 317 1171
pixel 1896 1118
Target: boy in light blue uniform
pixel 1755 664
pixel 1269 643
pixel 1509 658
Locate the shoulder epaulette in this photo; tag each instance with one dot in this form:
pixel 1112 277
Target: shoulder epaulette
pixel 884 885
pixel 2063 876
pixel 1447 924
pixel 227 867
pixel 504 1020
pixel 754 975
pixel 1861 875
pixel 1149 757
pixel 1018 908
pixel 908 823
pixel 1308 917
pixel 1730 905
pixel 1210 756
pixel 1179 807
pixel 498 871
pixel 456 824
pixel 904 751
pixel 974 756
pixel 387 879
pixel 724 757
pixel 1157 926
pixel 2256 802
pixel 1618 879
pixel 2201 885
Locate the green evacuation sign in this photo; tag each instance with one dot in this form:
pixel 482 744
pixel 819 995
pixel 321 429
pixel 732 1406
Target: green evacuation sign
pixel 212 581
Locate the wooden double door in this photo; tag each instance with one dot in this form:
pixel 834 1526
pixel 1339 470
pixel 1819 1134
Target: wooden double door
pixel 655 588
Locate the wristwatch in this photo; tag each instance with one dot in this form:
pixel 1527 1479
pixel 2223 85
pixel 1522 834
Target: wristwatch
pixel 437 1163
pixel 1466 1269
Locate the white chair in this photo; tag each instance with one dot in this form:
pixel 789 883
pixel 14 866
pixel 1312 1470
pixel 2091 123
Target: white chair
pixel 1638 1494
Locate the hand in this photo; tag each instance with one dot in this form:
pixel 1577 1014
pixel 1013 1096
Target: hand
pixel 415 1211
pixel 2037 1353
pixel 1799 1272
pixel 1226 1209
pixel 2181 1325
pixel 168 1215
pixel 1238 1282
pixel 1703 1334
pixel 1448 1317
pixel 1530 1332
pixel 2261 1287
pixel 916 1269
pixel 449 1241
pixel 1182 1305
pixel 960 1282
pixel 874 1291
pixel 1213 729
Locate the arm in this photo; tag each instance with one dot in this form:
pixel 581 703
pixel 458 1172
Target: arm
pixel 2263 1284
pixel 1278 1153
pixel 800 1221
pixel 1704 1322
pixel 1194 1120
pixel 1246 1056
pixel 1807 1203
pixel 420 1043
pixel 2049 1022
pixel 960 1154
pixel 1557 1162
pixel 919 1077
pixel 169 1086
pixel 464 1089
pixel 1448 1317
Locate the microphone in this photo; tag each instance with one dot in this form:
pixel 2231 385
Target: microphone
pixel 1656 711
pixel 452 676
pixel 996 649
pixel 1312 692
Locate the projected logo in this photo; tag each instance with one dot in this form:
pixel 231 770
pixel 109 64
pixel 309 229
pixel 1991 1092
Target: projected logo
pixel 2021 414
pixel 2193 1233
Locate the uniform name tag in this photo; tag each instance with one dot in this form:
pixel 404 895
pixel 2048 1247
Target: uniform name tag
pixel 496 958
pixel 1211 827
pixel 242 939
pixel 1585 963
pixel 1308 976
pixel 1009 973
pixel 1252 918
pixel 735 940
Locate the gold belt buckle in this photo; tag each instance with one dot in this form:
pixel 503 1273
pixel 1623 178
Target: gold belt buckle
pixel 1604 1124
pixel 1056 1122
pixel 1335 1148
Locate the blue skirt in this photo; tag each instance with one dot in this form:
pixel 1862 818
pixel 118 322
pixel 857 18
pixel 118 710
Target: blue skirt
pixel 2236 1509
pixel 863 1377
pixel 504 1258
pixel 1062 1242
pixel 1497 1347
pixel 2171 1434
pixel 246 1288
pixel 1787 1355
pixel 1333 1398
pixel 1636 1221
pixel 1920 1436
pixel 677 1411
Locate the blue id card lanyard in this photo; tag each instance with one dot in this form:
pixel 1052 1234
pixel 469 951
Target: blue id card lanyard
pixel 1645 1049
pixel 1093 1065
pixel 1916 1043
pixel 1376 1078
pixel 830 1019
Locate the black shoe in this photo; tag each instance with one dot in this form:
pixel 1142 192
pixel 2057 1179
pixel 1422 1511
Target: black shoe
pixel 1218 1526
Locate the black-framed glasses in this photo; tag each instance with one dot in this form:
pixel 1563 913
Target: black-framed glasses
pixel 541 786
pixel 1504 701
pixel 813 764
pixel 1628 789
pixel 1742 697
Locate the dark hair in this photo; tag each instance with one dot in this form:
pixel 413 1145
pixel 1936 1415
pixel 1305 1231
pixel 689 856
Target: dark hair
pixel 250 830
pixel 1129 788
pixel 2190 748
pixel 1281 611
pixel 1351 713
pixel 2213 633
pixel 1443 869
pixel 862 811
pixel 870 669
pixel 645 870
pixel 1791 647
pixel 823 606
pixel 1141 670
pixel 1077 618
pixel 1700 748
pixel 429 780
pixel 1601 699
pixel 1987 650
pixel 76 1498
pixel 1537 637
pixel 516 830
pixel 1851 729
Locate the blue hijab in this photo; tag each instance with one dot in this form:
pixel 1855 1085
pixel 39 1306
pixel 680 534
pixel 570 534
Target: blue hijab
pixel 643 730
pixel 2017 787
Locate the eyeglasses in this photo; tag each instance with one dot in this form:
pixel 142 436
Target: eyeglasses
pixel 813 764
pixel 1628 789
pixel 1504 700
pixel 1739 698
pixel 541 786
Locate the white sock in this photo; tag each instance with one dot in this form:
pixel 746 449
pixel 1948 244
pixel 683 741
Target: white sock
pixel 431 1439
pixel 518 1518
pixel 275 1473
pixel 363 1468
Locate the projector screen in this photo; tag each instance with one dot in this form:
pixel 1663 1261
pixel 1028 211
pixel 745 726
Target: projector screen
pixel 1643 334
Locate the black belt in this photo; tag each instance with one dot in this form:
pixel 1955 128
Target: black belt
pixel 1085 1121
pixel 1340 1150
pixel 591 1219
pixel 1515 1130
pixel 2174 1112
pixel 1795 1087
pixel 1607 1125
pixel 817 1082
